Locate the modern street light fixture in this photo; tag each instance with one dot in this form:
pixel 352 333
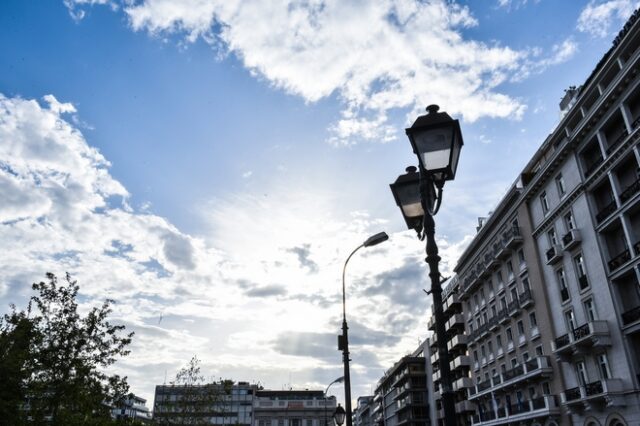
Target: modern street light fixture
pixel 436 139
pixel 343 340
pixel 338 380
pixel 339 415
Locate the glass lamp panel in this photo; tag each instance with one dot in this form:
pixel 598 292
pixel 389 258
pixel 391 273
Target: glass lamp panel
pixel 455 155
pixel 409 197
pixel 434 147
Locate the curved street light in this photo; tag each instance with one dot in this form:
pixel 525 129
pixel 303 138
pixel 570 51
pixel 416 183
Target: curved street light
pixel 343 340
pixel 338 380
pixel 437 140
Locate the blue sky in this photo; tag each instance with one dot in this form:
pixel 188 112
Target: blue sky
pixel 213 163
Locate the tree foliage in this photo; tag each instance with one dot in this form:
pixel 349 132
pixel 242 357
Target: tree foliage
pixel 54 359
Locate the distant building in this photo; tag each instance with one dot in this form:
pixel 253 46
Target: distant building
pixel 401 394
pixel 224 403
pixel 293 408
pixel 363 413
pixel 131 408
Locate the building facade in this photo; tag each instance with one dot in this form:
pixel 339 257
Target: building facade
pixel 132 407
pixel 401 397
pixel 293 408
pixel 223 403
pixel 514 375
pixel 549 287
pixel 584 204
pixel 363 413
pixel 459 360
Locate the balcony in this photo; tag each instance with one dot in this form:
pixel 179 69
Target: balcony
pixel 631 316
pixel 514 307
pixel 452 303
pixel 590 335
pixel 459 341
pixel 619 260
pixel 593 165
pixel 519 413
pixel 512 237
pixel 598 393
pixel 494 322
pixel 630 191
pixel 431 324
pixel 553 255
pixel 462 383
pixel 525 298
pixel 571 239
pixel 503 316
pixel 533 368
pixel 465 407
pixel 500 353
pixel 606 211
pixel 460 362
pixel 455 322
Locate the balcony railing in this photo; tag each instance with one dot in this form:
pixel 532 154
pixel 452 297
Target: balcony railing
pixel 619 260
pixel 597 390
pixel 512 237
pixel 570 239
pixel 532 368
pixel 606 211
pixel 631 316
pixel 591 334
pixel 525 298
pixel 513 307
pixel 617 141
pixel 553 254
pixel 630 191
pixel 519 412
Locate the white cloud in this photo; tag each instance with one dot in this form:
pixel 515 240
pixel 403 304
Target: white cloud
pixel 375 56
pixel 598 16
pixel 279 271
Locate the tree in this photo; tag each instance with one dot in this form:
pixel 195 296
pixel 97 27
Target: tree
pixel 190 399
pixel 57 358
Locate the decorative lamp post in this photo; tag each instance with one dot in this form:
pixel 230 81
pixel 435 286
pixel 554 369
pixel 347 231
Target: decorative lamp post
pixel 343 340
pixel 339 415
pixel 436 139
pixel 338 380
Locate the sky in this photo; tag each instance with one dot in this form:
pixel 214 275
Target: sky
pixel 210 164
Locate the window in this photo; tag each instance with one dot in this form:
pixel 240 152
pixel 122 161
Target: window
pixel 483 352
pixel 499 341
pixel 590 310
pixel 520 328
pixel 581 373
pixel 486 376
pixel 560 185
pixel 578 262
pixel 546 389
pixel 509 335
pixel 525 283
pixel 533 322
pixel 499 277
pixel 503 302
pixel 552 237
pixel 490 347
pixel 280 422
pixel 514 362
pixel 532 392
pixel 569 223
pixel 603 365
pixel 503 368
pixel 509 271
pixel 562 284
pixel 514 293
pixel 525 356
pixel 539 351
pixel 475 356
pixel 544 202
pixel 570 320
pixel 521 256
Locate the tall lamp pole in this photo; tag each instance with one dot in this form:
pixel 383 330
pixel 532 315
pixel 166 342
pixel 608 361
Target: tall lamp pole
pixel 436 139
pixel 338 380
pixel 343 340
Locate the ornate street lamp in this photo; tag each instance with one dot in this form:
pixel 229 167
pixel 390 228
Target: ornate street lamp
pixel 339 415
pixel 343 340
pixel 436 139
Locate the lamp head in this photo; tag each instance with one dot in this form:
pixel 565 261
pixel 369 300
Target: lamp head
pixel 373 240
pixel 339 415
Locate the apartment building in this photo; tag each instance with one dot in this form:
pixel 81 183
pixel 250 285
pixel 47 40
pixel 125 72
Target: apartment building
pixel 223 403
pixel 583 198
pixel 459 360
pixel 363 412
pixel 400 397
pixel 293 408
pixel 504 309
pixel 132 408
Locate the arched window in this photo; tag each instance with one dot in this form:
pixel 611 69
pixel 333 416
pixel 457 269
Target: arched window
pixel 616 420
